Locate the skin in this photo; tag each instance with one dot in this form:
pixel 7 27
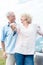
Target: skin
pixel 11 17
pixel 24 21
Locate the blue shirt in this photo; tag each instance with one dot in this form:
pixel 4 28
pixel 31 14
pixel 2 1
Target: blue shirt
pixel 9 38
pixel 39 44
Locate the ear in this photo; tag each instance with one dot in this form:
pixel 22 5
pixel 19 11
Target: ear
pixel 8 17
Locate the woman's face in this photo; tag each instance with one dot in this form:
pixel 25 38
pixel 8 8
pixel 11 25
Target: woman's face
pixel 24 20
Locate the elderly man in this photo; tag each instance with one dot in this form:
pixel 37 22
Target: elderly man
pixel 8 39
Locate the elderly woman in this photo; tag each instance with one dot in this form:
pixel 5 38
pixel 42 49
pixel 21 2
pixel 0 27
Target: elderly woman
pixel 25 45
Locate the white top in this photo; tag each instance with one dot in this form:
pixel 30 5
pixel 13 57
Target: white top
pixel 26 40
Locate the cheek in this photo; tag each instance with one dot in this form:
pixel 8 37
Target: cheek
pixel 10 18
pixel 21 21
pixel 13 18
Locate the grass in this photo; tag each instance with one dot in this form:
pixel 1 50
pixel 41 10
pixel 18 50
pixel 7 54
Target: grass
pixel 2 60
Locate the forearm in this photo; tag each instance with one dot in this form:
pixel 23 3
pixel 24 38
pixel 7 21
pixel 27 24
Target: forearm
pixel 3 46
pixel 40 33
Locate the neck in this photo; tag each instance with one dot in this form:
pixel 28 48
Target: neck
pixel 11 22
pixel 26 24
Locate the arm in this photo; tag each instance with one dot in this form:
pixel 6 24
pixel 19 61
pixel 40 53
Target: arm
pixel 3 44
pixel 39 31
pixel 3 49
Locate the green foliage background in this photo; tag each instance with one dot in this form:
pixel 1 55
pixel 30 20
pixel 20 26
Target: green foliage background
pixel 2 60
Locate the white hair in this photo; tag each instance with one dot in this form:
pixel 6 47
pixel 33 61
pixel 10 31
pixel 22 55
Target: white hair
pixel 10 13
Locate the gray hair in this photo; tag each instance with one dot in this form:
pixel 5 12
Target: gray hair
pixel 10 13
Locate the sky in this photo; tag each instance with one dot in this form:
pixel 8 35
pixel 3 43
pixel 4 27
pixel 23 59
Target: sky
pixel 33 7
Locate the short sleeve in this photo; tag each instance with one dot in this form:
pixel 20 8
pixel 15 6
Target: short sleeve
pixel 3 34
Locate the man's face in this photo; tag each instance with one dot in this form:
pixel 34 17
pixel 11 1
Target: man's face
pixel 11 18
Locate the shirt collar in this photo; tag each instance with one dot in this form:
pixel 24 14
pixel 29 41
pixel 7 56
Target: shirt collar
pixel 9 24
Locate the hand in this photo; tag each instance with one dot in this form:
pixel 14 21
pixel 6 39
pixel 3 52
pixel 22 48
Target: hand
pixel 13 26
pixel 4 55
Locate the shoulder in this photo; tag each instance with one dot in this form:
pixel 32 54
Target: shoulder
pixel 5 27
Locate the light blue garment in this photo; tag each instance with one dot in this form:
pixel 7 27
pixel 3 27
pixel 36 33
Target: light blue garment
pixel 39 44
pixel 9 38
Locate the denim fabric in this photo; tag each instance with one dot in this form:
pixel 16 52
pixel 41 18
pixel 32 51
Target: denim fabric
pixel 24 59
